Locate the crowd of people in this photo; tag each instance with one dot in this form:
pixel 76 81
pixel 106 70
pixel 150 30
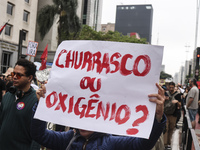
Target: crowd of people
pixel 176 98
pixel 19 131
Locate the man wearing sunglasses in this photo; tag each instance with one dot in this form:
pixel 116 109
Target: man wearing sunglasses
pixel 16 109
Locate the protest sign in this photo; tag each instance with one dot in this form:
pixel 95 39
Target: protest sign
pixel 103 86
pixel 32 48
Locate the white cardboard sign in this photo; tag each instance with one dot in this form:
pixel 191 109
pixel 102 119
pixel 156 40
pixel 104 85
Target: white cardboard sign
pixel 32 48
pixel 103 86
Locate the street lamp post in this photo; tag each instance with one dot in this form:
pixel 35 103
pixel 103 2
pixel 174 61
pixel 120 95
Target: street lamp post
pixel 197 21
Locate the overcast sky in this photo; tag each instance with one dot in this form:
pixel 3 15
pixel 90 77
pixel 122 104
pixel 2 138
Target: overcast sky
pixel 173 27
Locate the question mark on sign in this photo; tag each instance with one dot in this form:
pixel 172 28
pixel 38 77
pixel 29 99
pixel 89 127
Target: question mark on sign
pixel 143 108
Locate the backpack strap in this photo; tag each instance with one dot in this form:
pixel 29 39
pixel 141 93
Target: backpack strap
pixel 173 95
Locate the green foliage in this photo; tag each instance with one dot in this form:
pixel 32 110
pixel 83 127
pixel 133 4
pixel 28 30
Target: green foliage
pixel 68 21
pixel 45 19
pixel 164 75
pixel 87 33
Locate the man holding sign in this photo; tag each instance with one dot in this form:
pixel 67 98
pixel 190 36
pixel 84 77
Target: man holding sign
pixel 96 86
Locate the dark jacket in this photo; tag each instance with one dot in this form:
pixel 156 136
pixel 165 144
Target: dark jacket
pixel 15 121
pixel 97 141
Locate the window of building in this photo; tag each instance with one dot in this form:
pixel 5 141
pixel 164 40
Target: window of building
pixel 26 1
pixel 8 30
pixel 24 35
pixel 85 11
pixel 5 61
pixel 148 7
pixel 10 8
pixel 25 15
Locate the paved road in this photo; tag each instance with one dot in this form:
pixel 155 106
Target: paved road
pixel 176 137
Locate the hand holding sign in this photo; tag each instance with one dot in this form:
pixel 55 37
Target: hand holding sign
pixel 159 100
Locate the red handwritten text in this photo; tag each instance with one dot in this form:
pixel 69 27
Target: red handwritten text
pixel 120 114
pixel 113 64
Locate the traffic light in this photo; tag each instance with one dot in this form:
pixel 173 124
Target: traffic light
pixel 198 52
pixel 197 64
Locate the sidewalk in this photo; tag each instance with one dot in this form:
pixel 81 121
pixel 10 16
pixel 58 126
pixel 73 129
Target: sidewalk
pixel 197 129
pixel 177 136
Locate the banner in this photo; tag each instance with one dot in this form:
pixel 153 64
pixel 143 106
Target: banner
pixel 103 86
pixel 1 29
pixel 44 58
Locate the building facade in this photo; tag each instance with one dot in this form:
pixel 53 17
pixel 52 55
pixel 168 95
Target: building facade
pixel 107 27
pixel 135 18
pixel 21 16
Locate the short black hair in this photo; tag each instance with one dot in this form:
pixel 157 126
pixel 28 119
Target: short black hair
pixel 194 81
pixel 30 67
pixel 172 83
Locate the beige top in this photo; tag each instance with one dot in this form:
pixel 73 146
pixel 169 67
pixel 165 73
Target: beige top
pixel 193 93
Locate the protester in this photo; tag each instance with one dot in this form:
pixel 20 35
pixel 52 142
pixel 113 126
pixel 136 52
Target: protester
pixel 16 109
pixel 84 139
pixel 2 76
pixel 185 95
pixel 2 89
pixel 9 82
pixel 170 109
pixel 192 101
pixel 199 110
pixel 180 90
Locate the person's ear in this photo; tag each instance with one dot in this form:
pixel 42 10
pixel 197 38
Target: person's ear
pixel 30 78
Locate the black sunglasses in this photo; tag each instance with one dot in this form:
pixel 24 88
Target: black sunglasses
pixel 18 75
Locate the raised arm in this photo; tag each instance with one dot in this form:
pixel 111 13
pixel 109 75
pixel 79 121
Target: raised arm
pixel 48 138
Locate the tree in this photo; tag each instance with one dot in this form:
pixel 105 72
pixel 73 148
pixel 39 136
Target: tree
pixel 87 33
pixel 164 75
pixel 68 22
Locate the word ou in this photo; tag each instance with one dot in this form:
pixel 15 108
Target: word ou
pixel 85 109
pixel 79 60
pixel 90 84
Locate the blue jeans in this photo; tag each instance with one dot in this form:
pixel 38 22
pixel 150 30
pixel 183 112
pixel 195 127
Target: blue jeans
pixel 192 114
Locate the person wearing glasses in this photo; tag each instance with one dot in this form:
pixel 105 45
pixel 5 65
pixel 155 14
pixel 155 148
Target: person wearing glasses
pixel 16 109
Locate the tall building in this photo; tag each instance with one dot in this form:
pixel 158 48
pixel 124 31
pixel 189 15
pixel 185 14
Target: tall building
pixel 181 75
pixel 175 79
pixel 187 70
pixel 21 16
pixel 89 13
pixel 162 68
pixel 135 18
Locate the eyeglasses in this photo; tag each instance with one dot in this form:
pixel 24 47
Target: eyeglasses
pixel 18 75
